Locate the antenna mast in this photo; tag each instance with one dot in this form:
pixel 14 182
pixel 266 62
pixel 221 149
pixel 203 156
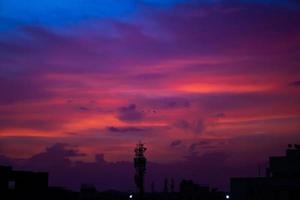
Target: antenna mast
pixel 140 168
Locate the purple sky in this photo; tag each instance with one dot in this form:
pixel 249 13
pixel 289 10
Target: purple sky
pixel 211 87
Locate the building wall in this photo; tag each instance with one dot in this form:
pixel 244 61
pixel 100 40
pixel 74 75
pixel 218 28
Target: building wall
pixel 22 180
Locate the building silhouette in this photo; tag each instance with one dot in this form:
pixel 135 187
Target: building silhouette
pixel 287 166
pixel 22 183
pixel 22 180
pixel 282 180
pixel 192 191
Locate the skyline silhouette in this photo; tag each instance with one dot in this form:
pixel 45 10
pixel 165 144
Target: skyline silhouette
pixel 280 182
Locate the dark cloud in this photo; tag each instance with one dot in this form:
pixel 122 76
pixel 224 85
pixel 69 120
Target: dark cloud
pixel 82 108
pixel 195 126
pixel 66 53
pixel 182 124
pixel 217 30
pixel 16 88
pixel 5 160
pixel 34 124
pixel 295 83
pixel 72 133
pixel 219 115
pixel 229 101
pixel 44 35
pixel 58 154
pixel 193 147
pixel 294 2
pixel 150 77
pixel 168 102
pixel 200 146
pixel 175 103
pixel 130 113
pixel 125 129
pixel 176 143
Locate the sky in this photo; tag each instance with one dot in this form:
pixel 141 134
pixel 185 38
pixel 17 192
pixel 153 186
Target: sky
pixel 209 86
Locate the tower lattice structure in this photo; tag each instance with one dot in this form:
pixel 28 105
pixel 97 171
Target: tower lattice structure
pixel 140 167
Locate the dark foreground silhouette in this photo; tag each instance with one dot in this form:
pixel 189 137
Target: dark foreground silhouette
pixel 281 182
pixel 17 185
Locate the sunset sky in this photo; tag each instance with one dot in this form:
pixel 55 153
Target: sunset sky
pixel 189 78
